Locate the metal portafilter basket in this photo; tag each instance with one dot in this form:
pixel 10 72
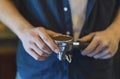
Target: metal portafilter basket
pixel 66 44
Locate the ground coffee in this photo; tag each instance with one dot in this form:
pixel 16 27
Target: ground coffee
pixel 63 38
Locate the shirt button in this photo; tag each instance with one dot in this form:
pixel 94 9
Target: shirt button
pixel 67 33
pixel 65 9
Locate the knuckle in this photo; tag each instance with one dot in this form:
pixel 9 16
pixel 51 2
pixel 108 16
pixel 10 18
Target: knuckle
pixel 45 39
pixel 41 28
pixel 37 40
pixel 104 44
pixel 97 38
pixel 43 47
pixel 41 53
pixel 32 32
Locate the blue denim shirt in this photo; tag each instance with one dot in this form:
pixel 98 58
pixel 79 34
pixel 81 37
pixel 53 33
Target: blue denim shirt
pixel 51 15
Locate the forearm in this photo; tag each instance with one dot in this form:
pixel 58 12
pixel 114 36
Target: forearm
pixel 115 26
pixel 10 16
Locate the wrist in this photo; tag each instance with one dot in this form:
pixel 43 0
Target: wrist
pixel 22 30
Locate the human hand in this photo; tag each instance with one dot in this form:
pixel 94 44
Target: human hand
pixel 38 43
pixel 103 45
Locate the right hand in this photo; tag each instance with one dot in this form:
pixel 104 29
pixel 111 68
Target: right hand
pixel 38 43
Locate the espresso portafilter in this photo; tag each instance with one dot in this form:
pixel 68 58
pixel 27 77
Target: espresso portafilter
pixel 66 44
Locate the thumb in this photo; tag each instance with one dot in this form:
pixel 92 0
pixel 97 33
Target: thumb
pixel 52 34
pixel 87 38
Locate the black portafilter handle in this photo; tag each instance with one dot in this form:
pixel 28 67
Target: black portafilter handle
pixel 80 45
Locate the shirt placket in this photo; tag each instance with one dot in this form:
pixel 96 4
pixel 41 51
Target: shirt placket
pixel 67 17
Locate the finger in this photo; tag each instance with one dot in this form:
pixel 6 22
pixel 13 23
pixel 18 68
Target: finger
pixel 47 40
pixel 45 48
pixel 41 45
pixel 101 54
pixel 35 48
pixel 98 49
pixel 87 37
pixel 91 47
pixel 32 53
pixel 106 56
pixel 39 51
pixel 42 58
pixel 36 56
pixel 51 33
pixel 46 55
pixel 113 47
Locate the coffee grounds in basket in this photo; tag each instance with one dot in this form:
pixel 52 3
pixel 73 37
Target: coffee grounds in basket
pixel 62 38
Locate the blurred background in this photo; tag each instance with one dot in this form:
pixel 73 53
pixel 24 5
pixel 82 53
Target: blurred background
pixel 8 47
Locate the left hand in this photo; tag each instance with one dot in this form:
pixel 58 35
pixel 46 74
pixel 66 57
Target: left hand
pixel 104 44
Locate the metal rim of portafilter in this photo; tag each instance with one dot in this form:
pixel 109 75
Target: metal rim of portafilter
pixel 66 44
